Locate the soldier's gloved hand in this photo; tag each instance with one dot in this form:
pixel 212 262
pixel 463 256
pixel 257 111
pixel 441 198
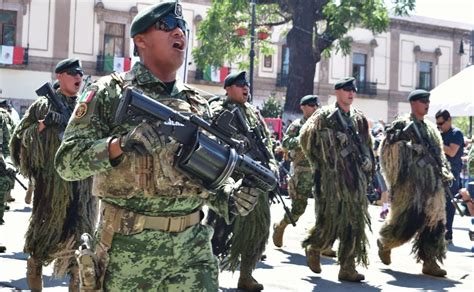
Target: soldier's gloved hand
pixel 143 139
pixel 55 118
pixel 416 147
pixel 244 200
pixel 366 164
pixel 342 137
pixel 447 175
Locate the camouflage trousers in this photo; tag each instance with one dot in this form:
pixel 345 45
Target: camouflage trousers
pixel 299 188
pixel 160 261
pixel 6 184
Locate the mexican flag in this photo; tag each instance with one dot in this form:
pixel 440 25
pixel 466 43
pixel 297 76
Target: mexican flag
pixel 117 64
pixel 11 55
pixel 215 74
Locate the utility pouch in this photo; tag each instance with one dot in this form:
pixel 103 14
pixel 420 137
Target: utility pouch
pixel 88 265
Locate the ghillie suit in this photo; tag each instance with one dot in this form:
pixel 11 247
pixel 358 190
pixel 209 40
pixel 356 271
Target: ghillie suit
pixel 62 210
pixel 418 197
pixel 343 165
pixel 243 242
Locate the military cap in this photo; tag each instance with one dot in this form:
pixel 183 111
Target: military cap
pixel 233 77
pixel 66 64
pixel 309 100
pixel 150 15
pixel 3 102
pixel 346 82
pixel 418 94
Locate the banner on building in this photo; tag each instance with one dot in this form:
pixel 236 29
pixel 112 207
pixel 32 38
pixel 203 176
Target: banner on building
pixel 215 74
pixel 12 55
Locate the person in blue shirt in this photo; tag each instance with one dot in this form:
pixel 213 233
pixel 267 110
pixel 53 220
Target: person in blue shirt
pixel 453 141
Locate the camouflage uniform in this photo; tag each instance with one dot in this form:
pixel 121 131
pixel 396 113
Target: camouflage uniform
pixel 62 210
pixel 301 181
pixel 340 187
pixel 418 198
pixel 133 187
pixel 6 182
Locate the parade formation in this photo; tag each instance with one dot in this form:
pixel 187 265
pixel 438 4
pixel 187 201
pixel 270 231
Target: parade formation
pixel 137 182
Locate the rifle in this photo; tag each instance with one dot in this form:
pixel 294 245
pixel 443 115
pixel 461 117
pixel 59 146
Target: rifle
pixel 256 146
pixel 10 173
pixel 430 159
pixel 210 160
pixel 47 91
pixel 351 133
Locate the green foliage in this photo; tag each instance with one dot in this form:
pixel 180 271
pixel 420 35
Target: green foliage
pixel 463 124
pixel 271 108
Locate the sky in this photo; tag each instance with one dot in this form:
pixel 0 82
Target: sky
pixel 453 10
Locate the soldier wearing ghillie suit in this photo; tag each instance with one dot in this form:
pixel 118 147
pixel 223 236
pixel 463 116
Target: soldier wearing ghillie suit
pixel 62 210
pixel 301 181
pixel 337 143
pixel 418 197
pixel 151 237
pixel 6 173
pixel 246 238
pixel 10 125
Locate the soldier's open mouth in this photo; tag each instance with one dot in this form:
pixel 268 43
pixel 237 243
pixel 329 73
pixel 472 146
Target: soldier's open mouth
pixel 77 83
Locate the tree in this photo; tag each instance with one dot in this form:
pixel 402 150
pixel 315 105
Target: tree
pixel 317 26
pixel 271 108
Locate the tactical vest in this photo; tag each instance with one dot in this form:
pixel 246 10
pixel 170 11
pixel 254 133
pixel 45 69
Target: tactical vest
pixel 152 175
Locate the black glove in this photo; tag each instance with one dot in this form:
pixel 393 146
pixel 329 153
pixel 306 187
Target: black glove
pixel 55 118
pixel 143 139
pixel 244 199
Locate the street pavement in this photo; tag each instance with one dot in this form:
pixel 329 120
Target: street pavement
pixel 285 268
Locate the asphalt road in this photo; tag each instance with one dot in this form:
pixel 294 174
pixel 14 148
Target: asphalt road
pixel 285 268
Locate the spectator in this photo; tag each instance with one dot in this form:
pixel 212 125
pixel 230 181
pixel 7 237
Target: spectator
pixel 453 148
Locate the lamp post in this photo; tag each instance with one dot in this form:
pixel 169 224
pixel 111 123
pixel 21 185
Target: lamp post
pixel 252 50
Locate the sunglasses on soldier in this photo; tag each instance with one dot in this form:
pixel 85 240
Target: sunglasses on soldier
pixel 74 72
pixel 169 23
pixel 241 83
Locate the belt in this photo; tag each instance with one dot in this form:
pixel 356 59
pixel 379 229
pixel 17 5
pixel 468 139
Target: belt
pixel 172 224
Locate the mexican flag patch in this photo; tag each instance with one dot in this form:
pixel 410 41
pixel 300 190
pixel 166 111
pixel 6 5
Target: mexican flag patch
pixel 87 96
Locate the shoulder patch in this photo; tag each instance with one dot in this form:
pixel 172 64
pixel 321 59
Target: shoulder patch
pixel 81 110
pixel 87 96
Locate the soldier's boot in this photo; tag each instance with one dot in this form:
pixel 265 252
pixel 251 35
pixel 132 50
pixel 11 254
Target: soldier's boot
pixel 347 272
pixel 313 259
pixel 29 194
pixel 34 274
pixel 328 252
pixel 430 267
pixel 246 281
pixel 3 248
pixel 384 253
pixel 74 281
pixel 278 230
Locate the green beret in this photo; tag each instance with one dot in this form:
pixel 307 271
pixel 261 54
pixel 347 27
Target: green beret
pixel 65 64
pixel 418 94
pixel 233 77
pixel 309 100
pixel 3 102
pixel 150 15
pixel 345 82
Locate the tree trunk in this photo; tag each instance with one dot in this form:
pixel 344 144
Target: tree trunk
pixel 302 63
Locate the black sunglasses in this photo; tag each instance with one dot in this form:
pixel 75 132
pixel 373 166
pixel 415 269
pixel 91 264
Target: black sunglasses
pixel 169 23
pixel 440 123
pixel 241 83
pixel 74 72
pixel 424 100
pixel 349 88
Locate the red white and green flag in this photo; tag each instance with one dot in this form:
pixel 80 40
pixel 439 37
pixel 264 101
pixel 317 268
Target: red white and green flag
pixel 11 55
pixel 117 64
pixel 215 74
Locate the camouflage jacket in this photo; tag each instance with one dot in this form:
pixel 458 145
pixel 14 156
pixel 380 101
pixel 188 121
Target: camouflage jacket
pixel 5 131
pixel 35 157
pixel 291 142
pixel 410 151
pixel 149 185
pixel 253 118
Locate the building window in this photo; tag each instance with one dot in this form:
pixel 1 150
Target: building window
pixel 7 27
pixel 114 37
pixel 282 77
pixel 425 75
pixel 359 67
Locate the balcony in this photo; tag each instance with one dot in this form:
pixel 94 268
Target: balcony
pixel 367 88
pixel 282 80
